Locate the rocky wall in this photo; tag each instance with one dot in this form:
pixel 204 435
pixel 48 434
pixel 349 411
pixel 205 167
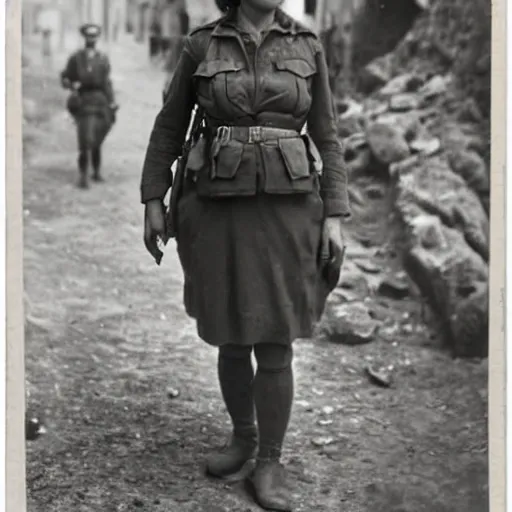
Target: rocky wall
pixel 415 129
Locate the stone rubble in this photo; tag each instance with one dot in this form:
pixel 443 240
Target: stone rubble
pixel 441 196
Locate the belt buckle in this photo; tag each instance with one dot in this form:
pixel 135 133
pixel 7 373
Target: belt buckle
pixel 255 134
pixel 223 135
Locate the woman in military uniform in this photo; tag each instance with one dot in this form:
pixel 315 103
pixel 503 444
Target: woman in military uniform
pixel 92 104
pixel 260 219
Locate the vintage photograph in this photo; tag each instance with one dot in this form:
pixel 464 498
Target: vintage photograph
pixel 256 255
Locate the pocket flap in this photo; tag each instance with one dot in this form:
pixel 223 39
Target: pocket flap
pixel 295 157
pixel 228 160
pixel 299 67
pixel 209 68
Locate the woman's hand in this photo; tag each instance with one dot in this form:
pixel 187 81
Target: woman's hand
pixel 68 84
pixel 154 228
pixel 333 243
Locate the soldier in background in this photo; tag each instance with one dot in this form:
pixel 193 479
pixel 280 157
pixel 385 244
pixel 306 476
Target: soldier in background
pixel 47 42
pixel 91 103
pixel 48 25
pixel 155 37
pixel 182 21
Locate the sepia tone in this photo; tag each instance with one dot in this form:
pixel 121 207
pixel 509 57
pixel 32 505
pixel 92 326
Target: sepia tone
pixel 391 397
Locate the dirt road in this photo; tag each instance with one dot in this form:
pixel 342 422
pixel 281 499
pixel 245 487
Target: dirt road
pixel 109 347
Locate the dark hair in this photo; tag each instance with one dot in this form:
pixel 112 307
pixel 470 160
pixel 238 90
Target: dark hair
pixel 226 5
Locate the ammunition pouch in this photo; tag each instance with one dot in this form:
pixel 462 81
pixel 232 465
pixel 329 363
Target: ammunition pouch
pixel 241 161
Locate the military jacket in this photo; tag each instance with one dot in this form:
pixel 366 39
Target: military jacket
pixel 92 71
pixel 281 82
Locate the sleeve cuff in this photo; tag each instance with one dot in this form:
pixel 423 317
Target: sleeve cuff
pixel 153 191
pixel 336 208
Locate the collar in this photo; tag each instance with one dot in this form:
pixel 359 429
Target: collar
pixel 246 25
pixel 89 54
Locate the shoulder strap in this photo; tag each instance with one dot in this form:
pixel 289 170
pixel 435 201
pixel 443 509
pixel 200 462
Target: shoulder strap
pixel 196 122
pixel 206 26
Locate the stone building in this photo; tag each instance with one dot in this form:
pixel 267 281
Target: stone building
pixel 64 17
pixel 109 14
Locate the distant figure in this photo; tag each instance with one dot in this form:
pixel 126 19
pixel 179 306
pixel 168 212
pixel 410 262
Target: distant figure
pixel 47 42
pixel 92 104
pixel 176 46
pixel 184 21
pixel 155 40
pixel 115 30
pixel 49 25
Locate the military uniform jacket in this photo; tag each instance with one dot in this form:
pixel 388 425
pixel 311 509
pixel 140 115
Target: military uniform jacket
pixel 280 81
pixel 92 71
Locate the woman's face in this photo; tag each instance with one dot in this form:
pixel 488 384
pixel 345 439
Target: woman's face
pixel 263 5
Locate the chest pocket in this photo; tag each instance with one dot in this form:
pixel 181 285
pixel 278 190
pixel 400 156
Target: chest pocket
pixel 296 76
pixel 90 71
pixel 217 83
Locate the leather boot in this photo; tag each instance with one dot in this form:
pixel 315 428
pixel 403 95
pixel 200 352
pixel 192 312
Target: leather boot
pixel 233 457
pixel 268 482
pixel 96 176
pixel 96 163
pixel 82 169
pixel 83 181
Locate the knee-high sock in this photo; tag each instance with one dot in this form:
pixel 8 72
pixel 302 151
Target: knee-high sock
pixel 273 394
pixel 236 377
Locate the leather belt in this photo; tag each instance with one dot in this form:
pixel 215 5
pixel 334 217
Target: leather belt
pixel 253 134
pixel 82 90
